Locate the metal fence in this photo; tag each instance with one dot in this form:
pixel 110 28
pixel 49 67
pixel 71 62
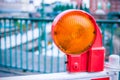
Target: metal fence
pixel 26 44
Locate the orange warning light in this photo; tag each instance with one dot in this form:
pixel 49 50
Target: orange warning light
pixel 73 31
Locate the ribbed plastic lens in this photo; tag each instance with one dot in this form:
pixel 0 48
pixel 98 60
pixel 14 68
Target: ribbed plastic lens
pixel 74 33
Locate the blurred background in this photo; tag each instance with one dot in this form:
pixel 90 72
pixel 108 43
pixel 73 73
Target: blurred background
pixel 49 9
pixel 26 46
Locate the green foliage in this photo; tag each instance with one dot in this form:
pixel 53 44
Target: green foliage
pixel 62 7
pixel 19 26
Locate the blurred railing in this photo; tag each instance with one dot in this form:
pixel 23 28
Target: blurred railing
pixel 26 44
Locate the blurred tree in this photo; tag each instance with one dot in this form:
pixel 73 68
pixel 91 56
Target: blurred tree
pixel 85 8
pixel 81 8
pixel 62 7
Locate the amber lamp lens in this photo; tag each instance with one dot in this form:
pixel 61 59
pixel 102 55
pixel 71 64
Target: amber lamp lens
pixel 74 33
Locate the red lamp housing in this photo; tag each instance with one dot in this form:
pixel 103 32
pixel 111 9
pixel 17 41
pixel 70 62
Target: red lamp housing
pixel 76 33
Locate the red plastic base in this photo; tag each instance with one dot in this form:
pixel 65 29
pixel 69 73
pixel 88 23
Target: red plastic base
pixel 77 63
pixel 96 59
pixel 91 61
pixel 107 78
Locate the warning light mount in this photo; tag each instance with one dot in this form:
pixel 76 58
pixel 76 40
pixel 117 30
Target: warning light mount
pixel 76 33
